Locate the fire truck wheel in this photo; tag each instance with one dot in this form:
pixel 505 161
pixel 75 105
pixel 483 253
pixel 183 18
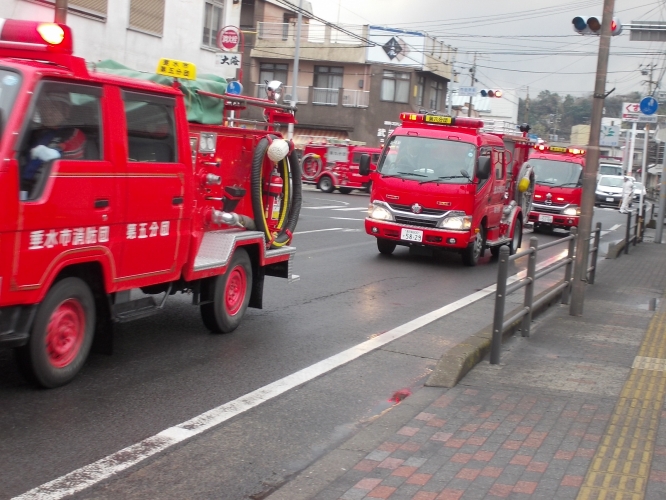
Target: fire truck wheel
pixel 61 335
pixel 385 247
pixel 231 296
pixel 345 190
pixel 471 254
pixel 517 238
pixel 326 184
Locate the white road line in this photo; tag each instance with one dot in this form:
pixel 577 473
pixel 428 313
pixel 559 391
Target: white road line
pixel 344 218
pixel 613 228
pixel 360 209
pixel 319 230
pixel 91 474
pixel 325 207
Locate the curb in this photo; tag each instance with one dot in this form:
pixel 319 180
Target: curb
pixel 615 249
pixel 459 360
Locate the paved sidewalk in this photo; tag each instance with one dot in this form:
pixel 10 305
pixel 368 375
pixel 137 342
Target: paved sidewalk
pixel 574 411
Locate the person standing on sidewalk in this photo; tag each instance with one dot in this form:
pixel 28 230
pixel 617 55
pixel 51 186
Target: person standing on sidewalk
pixel 627 193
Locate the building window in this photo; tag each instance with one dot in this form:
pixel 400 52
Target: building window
pixel 395 87
pixel 436 93
pixel 420 90
pixel 327 84
pixel 212 23
pixel 147 16
pixel 268 72
pixel 95 9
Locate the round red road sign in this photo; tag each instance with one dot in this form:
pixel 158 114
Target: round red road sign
pixel 228 38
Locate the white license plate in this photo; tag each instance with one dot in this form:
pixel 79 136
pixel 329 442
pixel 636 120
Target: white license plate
pixel 545 218
pixel 610 199
pixel 411 235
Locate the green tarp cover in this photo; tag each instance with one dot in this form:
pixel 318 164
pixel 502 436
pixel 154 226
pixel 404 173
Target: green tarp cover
pixel 200 108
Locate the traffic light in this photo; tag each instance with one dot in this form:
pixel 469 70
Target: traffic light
pixel 592 25
pixel 491 93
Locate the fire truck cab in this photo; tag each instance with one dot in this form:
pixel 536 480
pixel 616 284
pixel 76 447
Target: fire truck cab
pixel 112 201
pixel 559 186
pixel 442 182
pixel 335 165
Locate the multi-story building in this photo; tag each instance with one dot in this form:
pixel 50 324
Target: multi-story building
pixel 352 83
pixel 137 33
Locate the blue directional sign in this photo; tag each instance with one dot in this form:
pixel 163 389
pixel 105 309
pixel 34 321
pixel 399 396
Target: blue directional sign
pixel 649 105
pixel 234 88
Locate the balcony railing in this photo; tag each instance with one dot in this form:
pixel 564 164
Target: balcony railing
pixel 355 98
pixel 301 93
pixel 313 32
pixel 327 97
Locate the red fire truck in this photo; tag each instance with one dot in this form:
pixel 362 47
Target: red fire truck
pixel 559 186
pixel 334 165
pixel 113 201
pixel 443 182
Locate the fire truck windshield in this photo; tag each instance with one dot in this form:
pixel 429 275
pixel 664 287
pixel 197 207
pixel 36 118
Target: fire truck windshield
pixel 427 158
pixel 9 87
pixel 557 173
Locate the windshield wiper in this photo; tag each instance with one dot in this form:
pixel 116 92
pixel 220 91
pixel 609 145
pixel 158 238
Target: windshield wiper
pixel 444 178
pixel 567 184
pixel 545 182
pixel 403 173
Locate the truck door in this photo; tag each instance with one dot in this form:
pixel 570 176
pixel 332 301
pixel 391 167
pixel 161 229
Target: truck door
pixel 154 187
pixel 69 194
pixel 498 175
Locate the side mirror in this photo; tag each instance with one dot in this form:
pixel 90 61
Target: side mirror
pixel 483 168
pixel 364 165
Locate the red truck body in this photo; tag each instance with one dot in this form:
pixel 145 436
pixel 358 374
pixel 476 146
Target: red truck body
pixel 557 196
pixel 331 166
pixel 442 182
pixel 154 204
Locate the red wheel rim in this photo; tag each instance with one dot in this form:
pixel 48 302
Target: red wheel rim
pixel 65 332
pixel 234 292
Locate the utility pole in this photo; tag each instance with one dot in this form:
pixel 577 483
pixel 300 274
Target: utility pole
pixel 473 71
pixel 591 166
pixel 294 84
pixel 60 11
pixel 527 105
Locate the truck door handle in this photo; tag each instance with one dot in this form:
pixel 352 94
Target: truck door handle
pixel 177 200
pixel 101 203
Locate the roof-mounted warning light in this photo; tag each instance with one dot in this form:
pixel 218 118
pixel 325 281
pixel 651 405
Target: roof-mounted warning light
pixel 454 121
pixel 36 36
pixel 572 150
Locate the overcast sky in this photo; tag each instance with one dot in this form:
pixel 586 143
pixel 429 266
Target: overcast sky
pixel 519 43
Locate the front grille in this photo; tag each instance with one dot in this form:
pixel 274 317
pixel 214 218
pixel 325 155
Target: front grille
pixel 408 208
pixel 547 209
pixel 414 221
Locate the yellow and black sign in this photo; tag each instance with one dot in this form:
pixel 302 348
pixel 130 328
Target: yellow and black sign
pixel 177 69
pixel 558 149
pixel 446 120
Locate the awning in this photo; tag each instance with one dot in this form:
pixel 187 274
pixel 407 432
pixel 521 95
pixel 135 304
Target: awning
pixel 303 136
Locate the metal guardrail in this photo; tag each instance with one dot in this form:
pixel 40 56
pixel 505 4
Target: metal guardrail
pixel 502 324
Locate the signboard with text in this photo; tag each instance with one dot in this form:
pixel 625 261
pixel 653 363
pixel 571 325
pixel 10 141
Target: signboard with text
pixel 610 135
pixel 631 112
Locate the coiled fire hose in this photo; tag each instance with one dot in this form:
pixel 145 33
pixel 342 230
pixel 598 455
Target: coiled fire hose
pixel 290 205
pixel 310 174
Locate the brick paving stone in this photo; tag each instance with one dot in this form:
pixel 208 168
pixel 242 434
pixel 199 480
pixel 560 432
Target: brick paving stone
pixel 381 492
pixel 425 495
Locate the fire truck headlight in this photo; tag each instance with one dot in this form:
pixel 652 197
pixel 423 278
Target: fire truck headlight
pixel 379 213
pixel 573 210
pixel 458 222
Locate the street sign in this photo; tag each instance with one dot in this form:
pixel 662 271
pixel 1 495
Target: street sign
pixel 229 59
pixel 235 88
pixel 647 31
pixel 228 38
pixel 467 91
pixel 610 135
pixel 631 112
pixel 649 105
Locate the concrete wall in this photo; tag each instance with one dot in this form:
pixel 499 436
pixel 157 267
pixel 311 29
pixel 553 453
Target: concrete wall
pixel 112 39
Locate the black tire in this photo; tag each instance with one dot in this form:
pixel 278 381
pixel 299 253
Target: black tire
pixel 385 247
pixel 472 253
pixel 344 190
pixel 231 295
pixel 326 184
pixel 61 336
pixel 517 238
pixel 368 188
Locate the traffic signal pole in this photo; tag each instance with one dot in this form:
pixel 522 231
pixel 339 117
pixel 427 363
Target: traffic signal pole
pixel 591 166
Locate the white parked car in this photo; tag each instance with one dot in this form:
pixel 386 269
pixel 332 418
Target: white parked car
pixel 609 190
pixel 638 189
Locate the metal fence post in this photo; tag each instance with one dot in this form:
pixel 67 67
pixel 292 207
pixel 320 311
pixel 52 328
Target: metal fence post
pixel 529 287
pixel 568 270
pixel 500 299
pixel 638 221
pixel 597 237
pixel 626 238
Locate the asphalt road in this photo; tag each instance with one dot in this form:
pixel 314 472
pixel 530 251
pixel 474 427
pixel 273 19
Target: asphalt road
pixel 168 368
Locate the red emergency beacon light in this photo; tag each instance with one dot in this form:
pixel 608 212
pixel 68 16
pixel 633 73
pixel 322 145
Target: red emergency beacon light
pixel 35 36
pixel 559 149
pixel 454 121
